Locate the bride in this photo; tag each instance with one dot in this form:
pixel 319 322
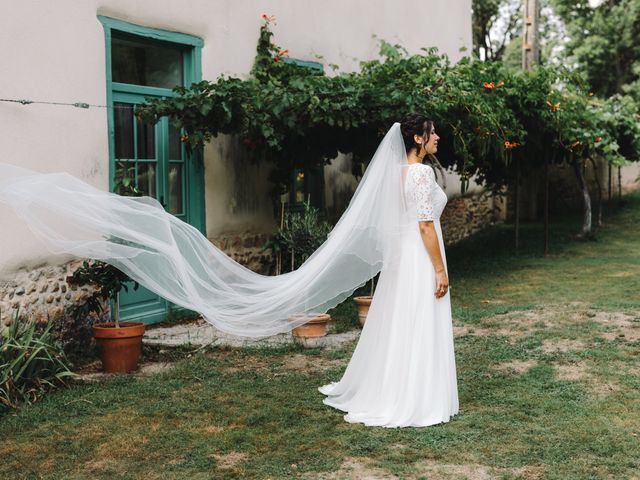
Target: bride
pixel 402 372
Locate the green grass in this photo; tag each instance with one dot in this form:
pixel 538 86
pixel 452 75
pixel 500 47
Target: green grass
pixel 269 418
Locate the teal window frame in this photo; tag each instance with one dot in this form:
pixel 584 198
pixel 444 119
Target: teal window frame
pixel 192 70
pixel 304 63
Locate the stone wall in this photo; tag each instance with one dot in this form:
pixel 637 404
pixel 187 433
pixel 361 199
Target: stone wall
pixel 40 292
pixel 246 248
pixel 463 216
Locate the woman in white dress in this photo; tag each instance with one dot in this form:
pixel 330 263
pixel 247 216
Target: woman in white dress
pixel 403 372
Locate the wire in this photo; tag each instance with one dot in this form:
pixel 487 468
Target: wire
pixel 77 104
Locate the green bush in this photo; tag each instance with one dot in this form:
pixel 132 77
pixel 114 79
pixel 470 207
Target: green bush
pixel 302 234
pixel 31 362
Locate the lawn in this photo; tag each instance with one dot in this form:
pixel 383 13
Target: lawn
pixel 547 351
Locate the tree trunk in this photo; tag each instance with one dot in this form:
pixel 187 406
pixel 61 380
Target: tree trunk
pixel 609 194
pixel 586 223
pixel 595 171
pixel 619 184
pixel 546 205
pixel 517 205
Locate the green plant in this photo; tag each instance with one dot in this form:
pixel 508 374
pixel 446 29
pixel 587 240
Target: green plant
pixel 496 124
pixel 300 235
pixel 124 180
pixel 109 280
pixel 31 362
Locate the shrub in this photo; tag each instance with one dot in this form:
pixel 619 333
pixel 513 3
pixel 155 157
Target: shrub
pixel 31 362
pixel 301 235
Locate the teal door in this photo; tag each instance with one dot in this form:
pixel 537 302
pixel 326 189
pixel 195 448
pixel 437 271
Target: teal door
pixel 155 154
pixel 148 64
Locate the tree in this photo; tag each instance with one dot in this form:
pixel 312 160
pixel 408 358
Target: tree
pixel 604 41
pixel 495 24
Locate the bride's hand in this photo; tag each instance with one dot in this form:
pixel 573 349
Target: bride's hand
pixel 442 284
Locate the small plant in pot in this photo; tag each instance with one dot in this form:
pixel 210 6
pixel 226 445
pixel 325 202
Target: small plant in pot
pixel 300 234
pixel 119 343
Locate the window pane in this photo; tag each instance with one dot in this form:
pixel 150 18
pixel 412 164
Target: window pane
pixel 175 147
pixel 123 126
pixel 146 140
pixel 124 169
pixel 175 188
pixel 141 61
pixel 147 178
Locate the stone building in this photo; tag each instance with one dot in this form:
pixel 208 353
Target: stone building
pixel 110 54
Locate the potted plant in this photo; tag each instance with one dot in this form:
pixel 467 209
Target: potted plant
pixel 119 343
pixel 363 302
pixel 300 234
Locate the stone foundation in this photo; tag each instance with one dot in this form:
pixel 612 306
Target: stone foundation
pixel 41 292
pixel 246 249
pixel 466 215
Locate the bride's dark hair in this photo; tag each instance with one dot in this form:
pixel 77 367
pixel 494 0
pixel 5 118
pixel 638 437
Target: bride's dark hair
pixel 419 124
pixel 415 124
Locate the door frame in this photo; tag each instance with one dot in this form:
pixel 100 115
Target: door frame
pixel 192 73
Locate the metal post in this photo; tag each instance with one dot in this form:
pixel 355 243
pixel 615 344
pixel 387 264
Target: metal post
pixel 530 42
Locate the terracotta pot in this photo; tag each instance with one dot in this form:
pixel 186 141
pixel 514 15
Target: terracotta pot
pixel 363 304
pixel 119 347
pixel 315 327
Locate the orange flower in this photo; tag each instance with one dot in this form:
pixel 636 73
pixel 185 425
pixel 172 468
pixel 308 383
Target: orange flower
pixel 276 59
pixel 283 52
pixel 553 106
pixel 590 94
pixel 575 144
pixel 489 85
pixel 268 18
pixel 598 139
pixel 184 138
pixel 509 145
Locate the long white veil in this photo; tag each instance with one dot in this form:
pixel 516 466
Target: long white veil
pixel 174 260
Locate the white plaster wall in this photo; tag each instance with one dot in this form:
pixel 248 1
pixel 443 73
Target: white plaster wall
pixel 54 51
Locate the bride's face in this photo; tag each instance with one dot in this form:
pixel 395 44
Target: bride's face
pixel 429 147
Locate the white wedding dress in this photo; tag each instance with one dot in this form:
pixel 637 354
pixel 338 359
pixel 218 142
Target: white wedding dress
pixel 403 372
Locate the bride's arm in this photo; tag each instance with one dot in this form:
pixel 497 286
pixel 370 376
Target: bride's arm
pixel 430 240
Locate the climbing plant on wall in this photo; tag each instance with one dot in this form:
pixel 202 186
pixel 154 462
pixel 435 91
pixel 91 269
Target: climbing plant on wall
pixel 492 119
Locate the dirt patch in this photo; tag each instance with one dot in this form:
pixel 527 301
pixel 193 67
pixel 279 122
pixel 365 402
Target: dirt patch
pixel 555 345
pixel 357 469
pixel 619 325
pixel 516 366
pixel 247 363
pixel 574 371
pixel 93 373
pixel 434 470
pixel 228 460
pixel 511 324
pixel 463 330
pixel 307 363
pixel 579 372
pixel 516 324
pixel 361 469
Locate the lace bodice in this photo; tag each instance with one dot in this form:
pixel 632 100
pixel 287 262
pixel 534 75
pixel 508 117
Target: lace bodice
pixel 423 192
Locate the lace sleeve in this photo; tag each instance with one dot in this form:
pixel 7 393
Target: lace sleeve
pixel 424 181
